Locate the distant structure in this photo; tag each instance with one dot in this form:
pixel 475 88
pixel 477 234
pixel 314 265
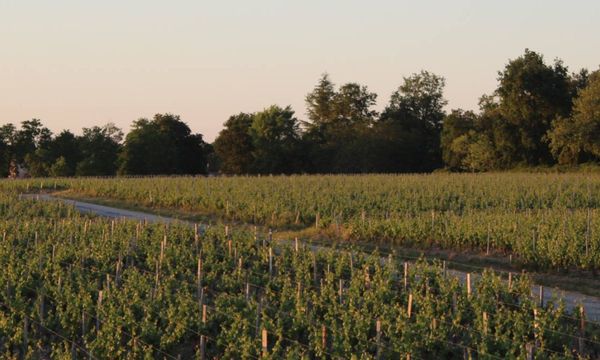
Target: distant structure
pixel 17 171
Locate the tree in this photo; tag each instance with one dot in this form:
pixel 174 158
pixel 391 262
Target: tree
pixel 415 114
pixel 32 136
pixel 100 148
pixel 67 146
pixel 164 145
pixel 453 140
pixel 60 168
pixel 353 105
pixel 420 98
pixel 532 94
pixel 340 122
pixel 577 138
pixel 320 106
pixel 234 145
pixel 275 138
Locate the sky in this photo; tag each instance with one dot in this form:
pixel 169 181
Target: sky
pixel 75 64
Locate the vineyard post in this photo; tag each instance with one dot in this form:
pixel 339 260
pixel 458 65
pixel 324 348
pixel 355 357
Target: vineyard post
pixel 99 305
pixel 199 276
pixel 341 291
pixel 25 334
pixel 202 347
pixel 509 281
pixel 265 343
pixel 247 291
pixel 410 301
pixel 270 261
pixel 296 244
pixel 588 233
pixel 258 315
pixel 487 249
pixel 536 327
pixel 298 288
pixel 529 348
pixel 378 339
pixel 485 323
pixel 83 324
pixel 324 337
pixel 581 330
pixel 469 284
pixel 541 296
pixel 314 258
pixel 405 275
pixel 204 315
pixel 444 268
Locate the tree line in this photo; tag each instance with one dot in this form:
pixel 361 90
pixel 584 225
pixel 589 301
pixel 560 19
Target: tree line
pixel 540 114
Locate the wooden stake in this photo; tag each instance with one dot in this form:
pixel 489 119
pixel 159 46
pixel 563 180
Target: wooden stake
pixel 265 343
pixel 485 322
pixel 468 284
pixel 405 275
pixel 581 330
pixel 410 301
pixel 202 347
pixel 99 305
pixel 270 262
pixel 378 338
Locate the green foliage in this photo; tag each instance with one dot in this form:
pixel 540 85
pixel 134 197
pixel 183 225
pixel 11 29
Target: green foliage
pixel 234 145
pixel 577 138
pixel 447 211
pixel 57 261
pixel 60 168
pixel 532 94
pixel 275 138
pixel 164 145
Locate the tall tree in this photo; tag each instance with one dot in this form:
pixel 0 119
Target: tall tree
pixel 164 145
pixel 414 115
pixel 275 137
pixel 234 145
pixel 455 132
pixel 339 127
pixel 66 146
pixel 320 107
pixel 100 148
pixel 532 94
pixel 577 138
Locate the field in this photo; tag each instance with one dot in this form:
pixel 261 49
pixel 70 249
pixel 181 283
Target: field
pixel 544 221
pixel 76 286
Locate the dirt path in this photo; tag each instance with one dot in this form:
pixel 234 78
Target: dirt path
pixel 572 299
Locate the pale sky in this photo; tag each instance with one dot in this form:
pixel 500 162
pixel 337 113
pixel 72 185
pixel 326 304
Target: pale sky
pixel 75 63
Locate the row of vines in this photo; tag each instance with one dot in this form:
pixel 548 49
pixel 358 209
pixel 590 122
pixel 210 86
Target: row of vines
pixel 77 286
pixel 548 221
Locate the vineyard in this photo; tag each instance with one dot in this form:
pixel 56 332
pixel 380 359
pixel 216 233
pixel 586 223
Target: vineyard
pixel 543 221
pixel 79 286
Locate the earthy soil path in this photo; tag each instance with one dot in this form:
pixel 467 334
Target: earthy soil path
pixel 572 299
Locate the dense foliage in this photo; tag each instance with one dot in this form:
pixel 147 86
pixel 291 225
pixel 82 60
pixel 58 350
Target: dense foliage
pixel 77 286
